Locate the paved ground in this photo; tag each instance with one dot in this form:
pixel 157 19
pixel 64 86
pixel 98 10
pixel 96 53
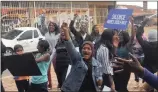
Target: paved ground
pixel 9 83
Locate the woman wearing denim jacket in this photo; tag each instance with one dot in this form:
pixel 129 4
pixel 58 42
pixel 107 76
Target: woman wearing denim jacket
pixel 85 74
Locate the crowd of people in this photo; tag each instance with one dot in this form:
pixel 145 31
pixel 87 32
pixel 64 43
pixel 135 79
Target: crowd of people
pixel 97 60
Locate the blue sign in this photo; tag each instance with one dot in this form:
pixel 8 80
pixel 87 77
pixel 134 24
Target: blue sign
pixel 118 19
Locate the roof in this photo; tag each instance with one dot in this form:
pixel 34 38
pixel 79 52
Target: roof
pixel 142 15
pixel 26 28
pixel 152 10
pixel 137 10
pixel 134 7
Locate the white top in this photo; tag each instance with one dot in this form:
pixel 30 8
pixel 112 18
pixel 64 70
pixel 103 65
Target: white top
pixel 103 58
pixel 52 39
pixel 106 89
pixel 84 36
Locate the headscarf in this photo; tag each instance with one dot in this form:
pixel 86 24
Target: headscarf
pixel 91 45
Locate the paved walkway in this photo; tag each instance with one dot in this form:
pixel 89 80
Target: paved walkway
pixel 9 84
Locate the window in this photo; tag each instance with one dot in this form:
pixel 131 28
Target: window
pixel 12 34
pixel 56 5
pixel 5 4
pixel 35 34
pixel 101 15
pixel 26 35
pixel 43 5
pixel 76 5
pixel 15 4
pixel 49 4
pixel 80 5
pixel 62 5
pixel 24 4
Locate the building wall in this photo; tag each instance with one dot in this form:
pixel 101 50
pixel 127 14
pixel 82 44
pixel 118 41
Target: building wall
pixel 26 13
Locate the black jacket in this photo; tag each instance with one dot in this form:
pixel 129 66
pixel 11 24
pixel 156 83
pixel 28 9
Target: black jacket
pixel 150 50
pixel 62 56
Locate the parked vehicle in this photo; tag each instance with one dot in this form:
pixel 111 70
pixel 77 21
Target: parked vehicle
pixel 28 37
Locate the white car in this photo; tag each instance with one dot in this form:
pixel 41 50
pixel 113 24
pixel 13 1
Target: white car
pixel 28 37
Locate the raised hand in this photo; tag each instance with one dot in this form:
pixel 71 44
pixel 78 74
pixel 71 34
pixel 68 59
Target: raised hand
pixel 75 17
pixel 131 20
pixel 132 30
pixel 65 31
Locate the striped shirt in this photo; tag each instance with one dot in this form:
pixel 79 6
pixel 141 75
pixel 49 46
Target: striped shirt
pixel 103 57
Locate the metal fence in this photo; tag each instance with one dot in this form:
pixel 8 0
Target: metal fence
pixel 30 13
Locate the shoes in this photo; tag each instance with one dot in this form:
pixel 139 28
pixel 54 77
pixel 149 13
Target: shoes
pixel 49 86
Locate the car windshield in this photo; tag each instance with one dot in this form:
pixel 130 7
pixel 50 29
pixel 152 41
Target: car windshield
pixel 12 34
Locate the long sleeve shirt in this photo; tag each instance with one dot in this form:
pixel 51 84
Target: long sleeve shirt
pixel 150 78
pixel 78 36
pixel 79 70
pixel 103 57
pixel 150 52
pixel 52 39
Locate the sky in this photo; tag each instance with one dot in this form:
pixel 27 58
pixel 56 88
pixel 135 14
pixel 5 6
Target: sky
pixel 151 5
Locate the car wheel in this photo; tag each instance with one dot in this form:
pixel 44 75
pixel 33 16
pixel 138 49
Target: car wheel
pixel 9 51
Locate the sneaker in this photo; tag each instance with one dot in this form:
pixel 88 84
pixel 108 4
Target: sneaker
pixel 49 88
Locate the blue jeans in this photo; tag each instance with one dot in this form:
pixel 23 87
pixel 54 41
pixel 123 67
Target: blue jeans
pixel 38 87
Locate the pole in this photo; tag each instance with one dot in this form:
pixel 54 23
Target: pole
pixel 29 15
pixel 35 14
pixel 95 15
pixel 71 7
pixel 88 19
